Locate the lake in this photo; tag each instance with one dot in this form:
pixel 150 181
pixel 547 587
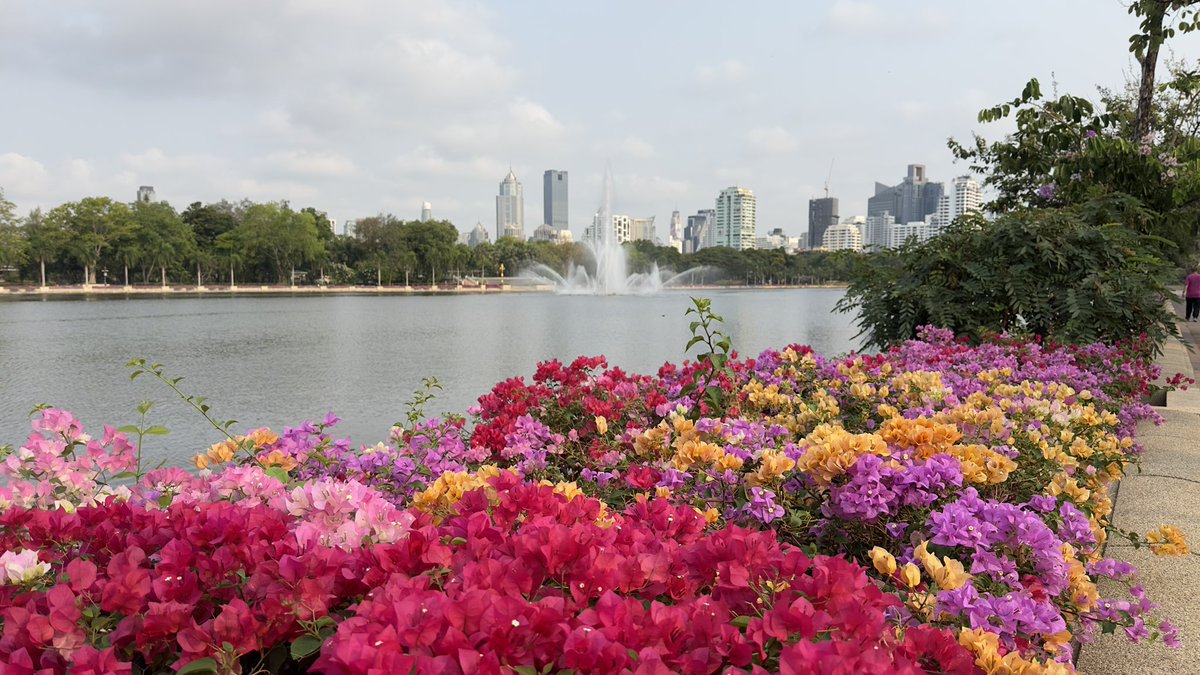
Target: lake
pixel 277 361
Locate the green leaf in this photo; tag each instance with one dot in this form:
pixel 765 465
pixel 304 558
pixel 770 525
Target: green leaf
pixel 157 430
pixel 458 541
pixel 128 429
pixel 278 474
pixel 740 621
pixel 165 500
pixel 305 646
pixel 198 666
pixel 525 670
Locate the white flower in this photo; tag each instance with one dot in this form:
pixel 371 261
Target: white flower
pixel 21 566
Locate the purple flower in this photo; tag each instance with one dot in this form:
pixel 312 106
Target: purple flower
pixel 762 506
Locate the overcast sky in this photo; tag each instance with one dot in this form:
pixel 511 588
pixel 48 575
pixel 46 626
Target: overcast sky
pixel 362 106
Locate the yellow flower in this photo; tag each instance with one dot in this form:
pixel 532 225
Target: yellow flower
pixel 262 437
pixel 279 459
pixel 885 563
pixel 601 425
pixel 662 492
pixel 568 490
pixel 911 575
pixel 728 462
pixel 1167 540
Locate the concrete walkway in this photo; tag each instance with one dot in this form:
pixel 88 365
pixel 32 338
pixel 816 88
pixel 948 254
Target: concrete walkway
pixel 1166 491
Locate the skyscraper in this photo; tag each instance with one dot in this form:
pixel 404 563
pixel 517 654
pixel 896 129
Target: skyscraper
pixel 964 196
pixel 145 194
pixel 426 212
pixel 554 199
pixel 908 201
pixel 510 208
pixel 822 214
pixel 697 234
pixel 737 219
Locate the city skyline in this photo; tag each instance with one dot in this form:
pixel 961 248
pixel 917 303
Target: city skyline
pixel 435 102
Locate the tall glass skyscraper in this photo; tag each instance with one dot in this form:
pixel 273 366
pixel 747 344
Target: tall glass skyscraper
pixel 554 199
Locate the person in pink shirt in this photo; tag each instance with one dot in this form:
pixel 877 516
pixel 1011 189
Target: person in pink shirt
pixel 1192 293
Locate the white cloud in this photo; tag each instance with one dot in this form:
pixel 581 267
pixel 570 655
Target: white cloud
pixel 726 72
pixel 304 163
pixel 630 147
pixel 21 176
pixel 772 140
pixel 856 16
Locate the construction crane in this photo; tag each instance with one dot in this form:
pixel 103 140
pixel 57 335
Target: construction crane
pixel 828 177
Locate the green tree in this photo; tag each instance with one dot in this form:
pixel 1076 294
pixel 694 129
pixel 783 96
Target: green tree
pixel 163 239
pixel 1160 20
pixel 45 240
pixel 1043 272
pixel 13 247
pixel 275 239
pixel 92 225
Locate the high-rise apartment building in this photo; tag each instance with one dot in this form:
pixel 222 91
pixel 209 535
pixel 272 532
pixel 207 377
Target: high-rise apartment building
pixel 510 209
pixel 426 212
pixel 737 218
pixel 908 201
pixel 822 214
pixel 964 196
pixel 145 194
pixel 554 199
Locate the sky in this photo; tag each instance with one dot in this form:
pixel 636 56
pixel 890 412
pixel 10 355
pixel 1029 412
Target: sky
pixel 358 107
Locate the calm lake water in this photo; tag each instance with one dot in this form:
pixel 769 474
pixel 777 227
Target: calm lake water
pixel 277 361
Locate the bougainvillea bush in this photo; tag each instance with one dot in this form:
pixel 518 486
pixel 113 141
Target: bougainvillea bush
pixel 939 507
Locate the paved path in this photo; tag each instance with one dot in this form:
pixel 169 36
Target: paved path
pixel 1167 491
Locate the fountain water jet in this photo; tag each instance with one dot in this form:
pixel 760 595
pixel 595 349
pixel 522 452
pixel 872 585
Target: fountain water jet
pixel 611 272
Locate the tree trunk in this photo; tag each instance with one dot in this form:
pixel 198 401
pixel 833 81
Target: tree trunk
pixel 1156 12
pixel 42 263
pixel 164 276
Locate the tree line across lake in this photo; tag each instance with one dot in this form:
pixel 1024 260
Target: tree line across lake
pixel 99 240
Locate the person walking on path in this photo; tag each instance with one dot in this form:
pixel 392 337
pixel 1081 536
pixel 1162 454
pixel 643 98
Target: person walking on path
pixel 1191 311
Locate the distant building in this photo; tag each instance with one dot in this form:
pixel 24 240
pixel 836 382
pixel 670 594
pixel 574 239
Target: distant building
pixel 964 196
pixel 624 228
pixel 145 194
pixel 675 232
pixel 909 200
pixel 426 212
pixel 348 227
pixel 698 233
pixel 908 233
pixel 842 237
pixel 776 239
pixel 822 213
pixel 477 235
pixel 510 208
pixel 877 232
pixel 737 218
pixel 554 199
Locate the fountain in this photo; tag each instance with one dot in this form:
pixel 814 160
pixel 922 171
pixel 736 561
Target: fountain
pixel 611 275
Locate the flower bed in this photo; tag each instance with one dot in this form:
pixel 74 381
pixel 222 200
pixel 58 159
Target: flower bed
pixel 936 508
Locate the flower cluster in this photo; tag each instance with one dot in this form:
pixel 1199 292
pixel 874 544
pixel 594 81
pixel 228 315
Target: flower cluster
pixel 599 521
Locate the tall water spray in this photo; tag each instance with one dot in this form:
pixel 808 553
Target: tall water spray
pixel 611 277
